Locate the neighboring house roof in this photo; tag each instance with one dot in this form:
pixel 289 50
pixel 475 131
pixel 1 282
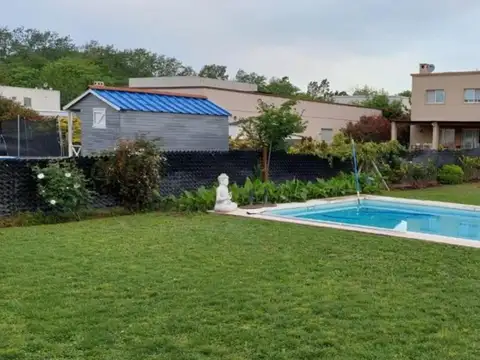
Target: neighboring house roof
pixel 128 99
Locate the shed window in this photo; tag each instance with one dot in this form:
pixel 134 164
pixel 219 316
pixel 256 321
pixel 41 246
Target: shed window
pixel 99 119
pixel 326 135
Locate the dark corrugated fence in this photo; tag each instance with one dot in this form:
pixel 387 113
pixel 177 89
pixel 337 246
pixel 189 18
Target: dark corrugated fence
pixel 183 171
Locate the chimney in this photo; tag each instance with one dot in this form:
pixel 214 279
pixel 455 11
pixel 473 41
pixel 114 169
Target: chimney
pixel 425 68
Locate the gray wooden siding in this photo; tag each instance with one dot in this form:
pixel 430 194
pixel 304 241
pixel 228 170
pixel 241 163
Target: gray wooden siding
pixel 177 131
pixel 96 140
pixel 174 131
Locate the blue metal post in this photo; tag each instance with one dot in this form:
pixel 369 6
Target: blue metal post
pixel 355 169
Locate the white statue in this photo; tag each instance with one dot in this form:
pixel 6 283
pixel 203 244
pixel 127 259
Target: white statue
pixel 224 201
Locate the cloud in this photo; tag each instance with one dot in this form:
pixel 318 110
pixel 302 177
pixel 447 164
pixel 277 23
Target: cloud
pixel 351 43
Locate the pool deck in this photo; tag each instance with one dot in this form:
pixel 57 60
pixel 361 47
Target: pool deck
pixel 260 214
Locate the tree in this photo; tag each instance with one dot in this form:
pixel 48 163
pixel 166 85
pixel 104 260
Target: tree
pixel 214 71
pixel 26 55
pixel 368 91
pixel 251 78
pixel 320 91
pixel 375 129
pixel 71 76
pixel 406 93
pixel 391 109
pixel 271 128
pixel 281 86
pixel 33 47
pixel 31 57
pixel 10 110
pixel 368 128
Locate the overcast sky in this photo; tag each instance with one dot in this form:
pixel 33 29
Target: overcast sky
pixel 350 42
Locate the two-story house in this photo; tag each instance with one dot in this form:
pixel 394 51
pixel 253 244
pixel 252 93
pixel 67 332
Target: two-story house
pixel 445 109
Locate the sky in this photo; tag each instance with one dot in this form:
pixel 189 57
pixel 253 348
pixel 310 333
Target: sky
pixel 350 42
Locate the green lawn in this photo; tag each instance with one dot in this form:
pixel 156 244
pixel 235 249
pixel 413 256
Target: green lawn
pixel 464 194
pixel 216 287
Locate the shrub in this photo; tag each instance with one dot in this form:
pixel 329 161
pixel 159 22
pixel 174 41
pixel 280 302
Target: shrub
pixel 133 173
pixel 418 175
pixel 10 109
pixel 63 188
pixel 471 167
pixel 239 143
pixel 450 174
pixel 369 128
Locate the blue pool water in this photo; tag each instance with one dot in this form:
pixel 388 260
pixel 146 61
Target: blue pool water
pixel 435 220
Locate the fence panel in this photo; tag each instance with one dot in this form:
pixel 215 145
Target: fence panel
pixel 31 138
pixel 183 171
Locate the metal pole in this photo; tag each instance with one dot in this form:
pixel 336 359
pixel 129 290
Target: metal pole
pixel 70 134
pixel 18 136
pixel 60 135
pixel 355 169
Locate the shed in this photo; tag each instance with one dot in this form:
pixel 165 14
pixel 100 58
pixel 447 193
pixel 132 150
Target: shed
pixel 178 121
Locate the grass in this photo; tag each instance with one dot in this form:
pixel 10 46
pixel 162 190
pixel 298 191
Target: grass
pixel 464 194
pixel 215 287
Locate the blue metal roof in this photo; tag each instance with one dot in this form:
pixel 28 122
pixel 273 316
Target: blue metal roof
pixel 157 102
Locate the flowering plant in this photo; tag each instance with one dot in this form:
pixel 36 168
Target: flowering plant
pixel 63 187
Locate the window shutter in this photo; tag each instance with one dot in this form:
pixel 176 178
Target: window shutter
pixel 99 119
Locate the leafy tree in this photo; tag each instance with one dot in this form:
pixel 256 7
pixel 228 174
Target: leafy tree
pixel 251 78
pixel 10 110
pixel 71 76
pixel 368 91
pixel 271 128
pixel 281 86
pixel 375 129
pixel 320 91
pixel 20 75
pixel 214 71
pixel 340 93
pixel 32 47
pixel 406 93
pixel 369 128
pixel 31 57
pixel 392 110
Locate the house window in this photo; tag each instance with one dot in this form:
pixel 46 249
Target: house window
pixel 27 102
pixel 435 96
pixel 471 96
pixel 470 138
pixel 14 98
pixel 326 135
pixel 99 118
pixel 447 137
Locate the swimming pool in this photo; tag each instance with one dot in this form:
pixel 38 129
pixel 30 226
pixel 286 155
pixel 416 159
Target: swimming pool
pixel 424 220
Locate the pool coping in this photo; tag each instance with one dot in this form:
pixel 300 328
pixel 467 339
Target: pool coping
pixel 260 214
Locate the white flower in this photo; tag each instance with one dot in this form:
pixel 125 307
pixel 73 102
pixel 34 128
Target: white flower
pixel 52 202
pixel 68 175
pixel 41 176
pixel 76 186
